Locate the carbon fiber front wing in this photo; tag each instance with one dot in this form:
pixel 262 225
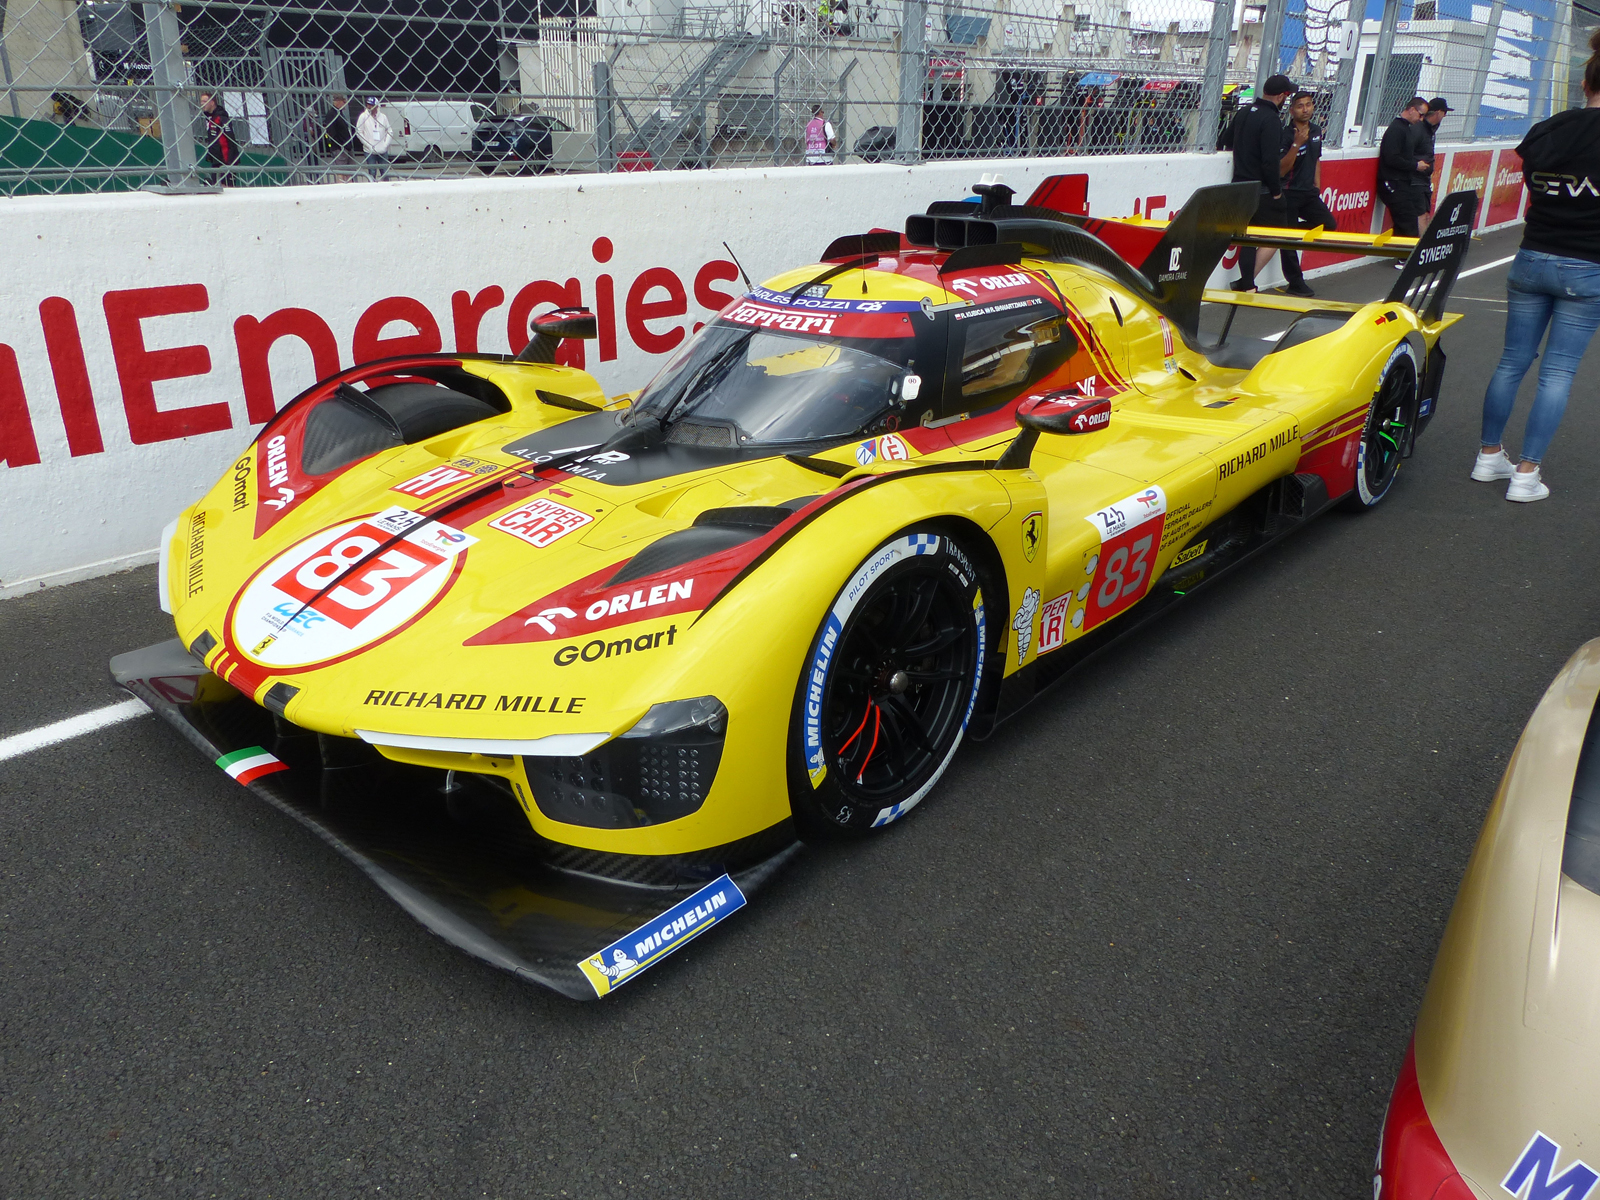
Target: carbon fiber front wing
pixel 453 852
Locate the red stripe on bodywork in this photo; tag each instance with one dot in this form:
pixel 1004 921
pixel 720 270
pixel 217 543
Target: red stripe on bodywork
pixel 1412 1162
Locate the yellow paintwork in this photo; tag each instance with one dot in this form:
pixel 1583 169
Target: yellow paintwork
pixel 748 649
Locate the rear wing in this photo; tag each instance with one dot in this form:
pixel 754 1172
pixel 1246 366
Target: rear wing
pixel 1176 257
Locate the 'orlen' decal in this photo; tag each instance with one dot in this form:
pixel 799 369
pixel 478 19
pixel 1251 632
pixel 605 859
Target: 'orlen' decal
pixel 654 940
pixel 1534 1176
pixel 1130 536
pixel 540 522
pixel 275 491
pixel 329 594
pixel 822 656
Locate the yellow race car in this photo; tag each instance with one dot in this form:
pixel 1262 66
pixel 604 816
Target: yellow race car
pixel 567 674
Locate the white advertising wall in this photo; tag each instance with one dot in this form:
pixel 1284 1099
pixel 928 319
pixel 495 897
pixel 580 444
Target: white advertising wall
pixel 145 338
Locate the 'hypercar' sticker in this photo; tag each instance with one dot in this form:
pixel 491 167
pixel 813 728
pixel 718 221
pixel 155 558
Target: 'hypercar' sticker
pixel 654 940
pixel 250 764
pixel 540 522
pixel 1130 536
pixel 817 676
pixel 330 594
pixel 1053 622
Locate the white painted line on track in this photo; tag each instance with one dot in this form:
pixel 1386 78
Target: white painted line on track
pixel 1489 266
pixel 61 731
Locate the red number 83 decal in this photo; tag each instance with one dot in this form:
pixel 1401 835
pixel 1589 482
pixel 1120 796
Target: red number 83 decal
pixel 1130 535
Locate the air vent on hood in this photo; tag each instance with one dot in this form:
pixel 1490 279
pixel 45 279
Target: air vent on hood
pixel 713 531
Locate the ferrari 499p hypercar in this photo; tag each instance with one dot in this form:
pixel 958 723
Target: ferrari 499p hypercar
pixel 567 674
pixel 1497 1094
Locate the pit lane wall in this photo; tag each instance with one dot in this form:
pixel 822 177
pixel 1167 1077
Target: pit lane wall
pixel 146 338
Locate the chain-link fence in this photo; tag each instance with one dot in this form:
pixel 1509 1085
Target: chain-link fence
pixel 121 94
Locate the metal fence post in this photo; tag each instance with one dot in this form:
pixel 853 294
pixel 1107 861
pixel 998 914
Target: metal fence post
pixel 164 38
pixel 1378 73
pixel 5 65
pixel 1339 111
pixel 1215 77
pixel 842 111
pixel 605 121
pixel 913 77
pixel 1480 75
pixel 1271 38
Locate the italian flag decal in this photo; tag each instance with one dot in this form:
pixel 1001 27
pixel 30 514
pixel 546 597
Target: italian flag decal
pixel 250 764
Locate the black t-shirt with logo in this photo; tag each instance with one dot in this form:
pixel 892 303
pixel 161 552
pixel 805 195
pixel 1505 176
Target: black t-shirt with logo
pixel 1561 164
pixel 1302 177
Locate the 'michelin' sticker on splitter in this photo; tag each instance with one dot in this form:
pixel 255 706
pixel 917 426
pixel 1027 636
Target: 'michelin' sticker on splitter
pixel 330 594
pixel 654 940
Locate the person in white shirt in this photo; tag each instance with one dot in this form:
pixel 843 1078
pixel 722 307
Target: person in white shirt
pixel 376 135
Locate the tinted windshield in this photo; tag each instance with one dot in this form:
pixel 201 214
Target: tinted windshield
pixel 772 388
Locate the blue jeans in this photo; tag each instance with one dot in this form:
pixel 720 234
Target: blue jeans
pixel 1542 289
pixel 377 166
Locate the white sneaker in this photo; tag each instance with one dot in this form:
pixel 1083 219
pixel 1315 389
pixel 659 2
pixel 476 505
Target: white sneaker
pixel 1491 467
pixel 1527 487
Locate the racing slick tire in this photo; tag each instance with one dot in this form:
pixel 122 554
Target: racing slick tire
pixel 888 687
pixel 1391 421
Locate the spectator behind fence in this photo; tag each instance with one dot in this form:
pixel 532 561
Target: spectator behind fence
pixel 339 141
pixel 820 139
pixel 1259 143
pixel 1405 170
pixel 1554 280
pixel 1302 185
pixel 372 127
pixel 221 152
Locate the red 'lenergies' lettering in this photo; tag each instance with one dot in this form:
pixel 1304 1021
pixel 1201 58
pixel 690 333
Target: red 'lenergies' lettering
pixel 640 310
pixel 369 342
pixel 718 270
pixel 140 369
pixel 468 311
pixel 65 348
pixel 18 448
pixel 605 302
pixel 255 338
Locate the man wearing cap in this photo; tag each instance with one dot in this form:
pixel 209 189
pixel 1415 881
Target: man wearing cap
pixel 376 134
pixel 1429 128
pixel 1259 145
pixel 1404 168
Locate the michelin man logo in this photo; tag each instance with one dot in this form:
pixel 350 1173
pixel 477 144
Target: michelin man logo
pixel 1023 622
pixel 621 965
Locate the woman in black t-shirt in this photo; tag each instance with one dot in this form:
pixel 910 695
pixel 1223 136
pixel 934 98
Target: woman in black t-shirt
pixel 1554 281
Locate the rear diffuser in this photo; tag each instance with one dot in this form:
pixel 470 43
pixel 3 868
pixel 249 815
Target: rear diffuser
pixel 575 921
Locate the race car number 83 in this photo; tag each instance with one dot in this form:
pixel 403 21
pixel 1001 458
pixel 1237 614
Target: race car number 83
pixel 1130 532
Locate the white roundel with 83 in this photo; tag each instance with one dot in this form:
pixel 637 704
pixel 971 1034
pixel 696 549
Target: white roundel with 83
pixel 344 588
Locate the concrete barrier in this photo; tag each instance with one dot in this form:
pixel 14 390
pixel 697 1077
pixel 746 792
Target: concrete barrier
pixel 147 337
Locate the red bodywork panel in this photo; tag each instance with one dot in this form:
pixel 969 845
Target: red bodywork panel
pixel 1412 1161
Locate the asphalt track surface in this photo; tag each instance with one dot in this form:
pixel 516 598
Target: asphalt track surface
pixel 1163 935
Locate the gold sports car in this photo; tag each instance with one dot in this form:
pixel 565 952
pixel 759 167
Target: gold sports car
pixel 568 674
pixel 1498 1093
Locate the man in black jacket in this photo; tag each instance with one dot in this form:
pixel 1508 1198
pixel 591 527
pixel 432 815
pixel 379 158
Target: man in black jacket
pixel 1405 168
pixel 1259 142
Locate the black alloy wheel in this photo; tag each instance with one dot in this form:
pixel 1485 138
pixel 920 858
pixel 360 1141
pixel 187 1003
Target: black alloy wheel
pixel 888 687
pixel 1389 425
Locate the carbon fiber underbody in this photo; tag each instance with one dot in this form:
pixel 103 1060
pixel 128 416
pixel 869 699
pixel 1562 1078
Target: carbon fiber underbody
pixel 455 855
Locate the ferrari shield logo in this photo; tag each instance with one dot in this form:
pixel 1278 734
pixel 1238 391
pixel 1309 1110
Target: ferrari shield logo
pixel 1032 532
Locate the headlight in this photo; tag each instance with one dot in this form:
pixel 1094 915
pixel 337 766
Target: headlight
pixel 167 534
pixel 659 770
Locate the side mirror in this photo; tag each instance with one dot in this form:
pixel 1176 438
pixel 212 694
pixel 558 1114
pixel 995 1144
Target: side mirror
pixel 1053 412
pixel 551 328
